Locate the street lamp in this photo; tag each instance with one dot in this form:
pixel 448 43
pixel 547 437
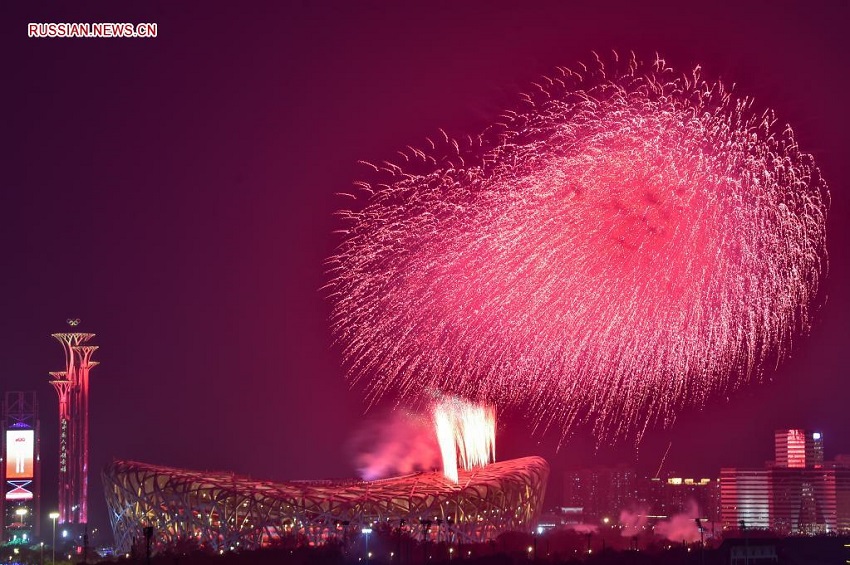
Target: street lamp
pixel 605 521
pixel 701 540
pixel 21 512
pixel 366 530
pixel 53 516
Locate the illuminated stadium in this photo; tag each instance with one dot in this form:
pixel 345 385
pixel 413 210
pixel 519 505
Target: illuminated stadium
pixel 222 510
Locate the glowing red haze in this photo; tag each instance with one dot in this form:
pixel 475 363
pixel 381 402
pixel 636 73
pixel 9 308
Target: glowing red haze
pixel 629 242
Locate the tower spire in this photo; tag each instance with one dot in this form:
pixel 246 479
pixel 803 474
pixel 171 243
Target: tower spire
pixel 72 388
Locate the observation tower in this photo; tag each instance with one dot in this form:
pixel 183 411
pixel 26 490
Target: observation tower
pixel 72 387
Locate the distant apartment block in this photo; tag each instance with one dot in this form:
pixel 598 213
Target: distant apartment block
pixel 797 494
pixel 603 492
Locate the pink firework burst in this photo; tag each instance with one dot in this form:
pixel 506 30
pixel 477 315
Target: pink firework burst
pixel 628 243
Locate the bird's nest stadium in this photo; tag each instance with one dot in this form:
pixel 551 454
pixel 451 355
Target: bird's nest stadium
pixel 220 510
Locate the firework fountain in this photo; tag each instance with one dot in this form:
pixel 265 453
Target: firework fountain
pixel 466 433
pixel 628 242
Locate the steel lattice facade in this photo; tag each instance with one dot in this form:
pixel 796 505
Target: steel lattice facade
pixel 221 510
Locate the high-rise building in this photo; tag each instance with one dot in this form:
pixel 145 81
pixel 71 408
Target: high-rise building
pixel 804 500
pixel 745 498
pixel 600 491
pixel 72 387
pixel 798 449
pixel 21 468
pixel 799 494
pixel 681 495
pixel 842 492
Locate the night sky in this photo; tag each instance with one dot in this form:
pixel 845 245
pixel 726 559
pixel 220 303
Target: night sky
pixel 177 195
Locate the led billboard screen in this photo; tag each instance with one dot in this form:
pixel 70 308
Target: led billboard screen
pixel 20 450
pixel 19 490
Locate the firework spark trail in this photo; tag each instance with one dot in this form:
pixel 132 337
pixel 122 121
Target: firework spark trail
pixel 627 244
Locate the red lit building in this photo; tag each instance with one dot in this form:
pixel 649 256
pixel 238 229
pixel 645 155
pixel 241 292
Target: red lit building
pixel 800 494
pixel 798 449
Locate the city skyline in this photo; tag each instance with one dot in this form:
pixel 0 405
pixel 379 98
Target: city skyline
pixel 177 195
pixel 798 492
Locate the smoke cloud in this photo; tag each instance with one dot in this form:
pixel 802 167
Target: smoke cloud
pixel 395 443
pixel 681 527
pixel 633 519
pixel 584 528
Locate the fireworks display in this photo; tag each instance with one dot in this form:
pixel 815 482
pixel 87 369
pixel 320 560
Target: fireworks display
pixel 626 243
pixel 466 433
